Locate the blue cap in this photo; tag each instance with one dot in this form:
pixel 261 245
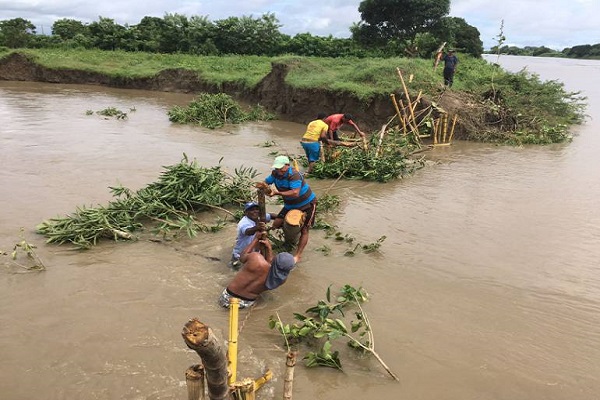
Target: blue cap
pixel 281 266
pixel 250 205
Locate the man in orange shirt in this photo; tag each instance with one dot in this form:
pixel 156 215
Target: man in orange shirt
pixel 335 122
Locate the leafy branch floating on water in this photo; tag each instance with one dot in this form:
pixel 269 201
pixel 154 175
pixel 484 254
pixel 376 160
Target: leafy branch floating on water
pixel 170 204
pixel 322 324
pixel 215 110
pixel 34 262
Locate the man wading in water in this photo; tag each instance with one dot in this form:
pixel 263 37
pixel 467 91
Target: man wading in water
pixel 258 273
pixel 296 194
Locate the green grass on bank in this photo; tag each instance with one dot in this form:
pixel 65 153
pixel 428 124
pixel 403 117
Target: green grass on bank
pixel 362 77
pixel 247 70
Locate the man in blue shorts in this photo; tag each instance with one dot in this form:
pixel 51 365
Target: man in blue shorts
pixel 316 132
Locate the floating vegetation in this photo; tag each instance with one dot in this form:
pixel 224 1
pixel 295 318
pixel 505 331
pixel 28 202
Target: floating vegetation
pixel 329 320
pixel 110 112
pixel 33 261
pixel 170 203
pixel 269 143
pixel 215 110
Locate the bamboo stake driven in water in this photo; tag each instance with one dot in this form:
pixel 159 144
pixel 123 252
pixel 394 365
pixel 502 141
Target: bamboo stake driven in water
pixel 288 381
pixel 453 125
pixel 232 348
pixel 395 104
pixel 244 390
pixel 201 339
pixel 262 217
pixel 445 127
pixel 194 380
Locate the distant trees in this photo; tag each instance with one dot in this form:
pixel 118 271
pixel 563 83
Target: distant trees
pixel 583 51
pixel 17 32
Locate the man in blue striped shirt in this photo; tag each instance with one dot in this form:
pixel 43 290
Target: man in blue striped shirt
pixel 296 194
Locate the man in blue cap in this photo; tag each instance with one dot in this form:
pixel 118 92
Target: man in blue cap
pixel 258 273
pixel 296 195
pixel 247 228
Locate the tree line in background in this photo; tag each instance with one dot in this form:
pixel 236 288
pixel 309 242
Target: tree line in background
pixel 387 28
pixel 591 51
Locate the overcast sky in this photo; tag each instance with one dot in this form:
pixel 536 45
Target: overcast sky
pixel 553 23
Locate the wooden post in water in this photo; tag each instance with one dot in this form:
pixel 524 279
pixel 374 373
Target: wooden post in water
pixel 288 381
pixel 453 125
pixel 194 380
pixel 262 217
pixel 232 349
pixel 202 340
pixel 243 390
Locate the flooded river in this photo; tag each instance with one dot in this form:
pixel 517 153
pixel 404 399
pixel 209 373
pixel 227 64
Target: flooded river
pixel 487 286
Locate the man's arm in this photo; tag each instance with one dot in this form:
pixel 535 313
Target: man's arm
pixel 287 193
pixel 268 249
pixel 356 128
pixel 259 227
pixel 251 248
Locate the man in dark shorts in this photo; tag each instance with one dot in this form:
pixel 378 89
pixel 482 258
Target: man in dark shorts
pixel 296 194
pixel 258 273
pixel 335 122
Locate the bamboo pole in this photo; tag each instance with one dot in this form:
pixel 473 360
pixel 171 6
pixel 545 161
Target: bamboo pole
pixel 244 390
pixel 453 125
pixel 201 339
pixel 436 126
pixel 403 119
pixel 288 381
pixel 445 127
pixel 232 348
pixel 438 55
pixel 194 380
pixel 395 103
pixel 321 152
pixel 414 106
pixel 409 104
pixel 262 217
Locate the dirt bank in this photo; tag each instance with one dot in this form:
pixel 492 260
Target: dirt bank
pixel 292 104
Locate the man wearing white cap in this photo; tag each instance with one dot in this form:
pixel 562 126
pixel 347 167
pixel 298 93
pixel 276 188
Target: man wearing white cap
pixel 296 194
pixel 258 274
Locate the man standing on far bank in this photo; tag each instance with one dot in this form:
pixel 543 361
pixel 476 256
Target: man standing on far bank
pixel 450 63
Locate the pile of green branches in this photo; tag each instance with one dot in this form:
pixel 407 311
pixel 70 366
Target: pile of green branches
pixel 171 202
pixel 380 162
pixel 214 110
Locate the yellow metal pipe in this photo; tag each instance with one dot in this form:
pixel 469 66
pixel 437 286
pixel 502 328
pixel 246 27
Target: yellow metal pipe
pixel 232 348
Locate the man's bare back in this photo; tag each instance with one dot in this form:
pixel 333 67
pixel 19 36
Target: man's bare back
pixel 249 282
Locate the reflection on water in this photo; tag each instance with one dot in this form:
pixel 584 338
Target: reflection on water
pixel 486 286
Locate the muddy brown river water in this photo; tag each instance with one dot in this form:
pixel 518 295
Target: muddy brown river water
pixel 487 287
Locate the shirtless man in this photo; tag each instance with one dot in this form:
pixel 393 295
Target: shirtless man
pixel 258 273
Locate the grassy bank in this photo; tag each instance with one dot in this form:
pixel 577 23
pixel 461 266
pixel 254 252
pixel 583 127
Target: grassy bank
pixel 519 106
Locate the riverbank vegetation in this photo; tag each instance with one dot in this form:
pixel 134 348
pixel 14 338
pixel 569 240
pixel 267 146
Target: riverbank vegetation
pixel 495 105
